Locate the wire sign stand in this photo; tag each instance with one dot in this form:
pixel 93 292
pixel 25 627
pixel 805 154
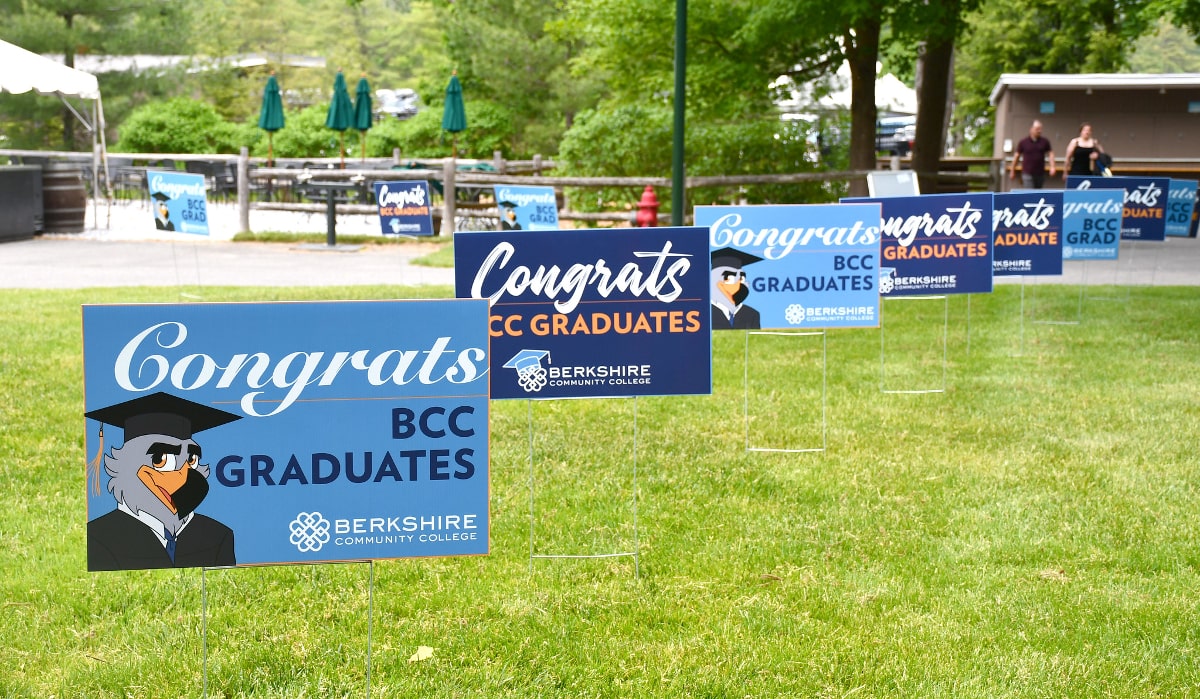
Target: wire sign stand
pixel 634 552
pixel 883 364
pixel 370 620
pixel 1124 262
pixel 1059 320
pixel 777 391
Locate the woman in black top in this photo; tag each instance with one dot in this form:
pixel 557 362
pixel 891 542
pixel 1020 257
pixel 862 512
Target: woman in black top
pixel 1082 152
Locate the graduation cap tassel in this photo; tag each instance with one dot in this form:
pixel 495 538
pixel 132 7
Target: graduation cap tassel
pixel 94 465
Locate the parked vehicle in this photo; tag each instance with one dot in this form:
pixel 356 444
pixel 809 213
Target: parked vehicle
pixel 894 134
pixel 402 103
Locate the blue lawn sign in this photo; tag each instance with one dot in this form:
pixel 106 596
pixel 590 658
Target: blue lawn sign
pixel 1145 215
pixel 178 202
pixel 240 434
pixel 935 244
pixel 526 208
pixel 592 313
pixel 404 207
pixel 800 266
pixel 1181 202
pixel 1092 223
pixel 1027 237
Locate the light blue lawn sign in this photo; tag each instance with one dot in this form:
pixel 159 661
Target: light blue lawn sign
pixel 818 266
pixel 404 207
pixel 1180 203
pixel 935 244
pixel 1092 223
pixel 526 208
pixel 178 202
pixel 1027 234
pixel 360 428
pixel 1145 211
pixel 592 313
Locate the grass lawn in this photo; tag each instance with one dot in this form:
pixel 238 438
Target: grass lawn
pixel 1033 531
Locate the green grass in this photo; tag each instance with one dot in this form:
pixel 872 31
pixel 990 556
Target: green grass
pixel 1034 531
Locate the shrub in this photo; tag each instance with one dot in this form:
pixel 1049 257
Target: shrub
pixel 635 140
pixel 305 135
pixel 179 125
pixel 489 128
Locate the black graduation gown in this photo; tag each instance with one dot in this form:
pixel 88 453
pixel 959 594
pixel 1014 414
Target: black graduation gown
pixel 119 541
pixel 746 318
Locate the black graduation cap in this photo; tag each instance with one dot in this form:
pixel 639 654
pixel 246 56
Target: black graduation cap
pixel 508 204
pixel 162 413
pixel 160 196
pixel 732 257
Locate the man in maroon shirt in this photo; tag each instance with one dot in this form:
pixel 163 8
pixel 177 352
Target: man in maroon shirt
pixel 1033 152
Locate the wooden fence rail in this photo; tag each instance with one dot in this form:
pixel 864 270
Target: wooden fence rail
pixel 476 174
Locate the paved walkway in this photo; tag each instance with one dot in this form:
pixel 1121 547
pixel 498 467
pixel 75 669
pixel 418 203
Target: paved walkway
pixel 125 251
pixel 128 252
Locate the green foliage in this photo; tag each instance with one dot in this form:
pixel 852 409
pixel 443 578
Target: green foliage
pixel 489 128
pixel 1040 36
pixel 304 135
pixel 523 68
pixel 635 140
pixel 1169 49
pixel 180 125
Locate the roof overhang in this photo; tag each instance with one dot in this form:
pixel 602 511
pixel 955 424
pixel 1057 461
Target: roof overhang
pixel 1092 81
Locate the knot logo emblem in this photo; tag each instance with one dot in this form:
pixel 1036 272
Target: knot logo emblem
pixel 795 314
pixel 310 532
pixel 531 375
pixel 886 281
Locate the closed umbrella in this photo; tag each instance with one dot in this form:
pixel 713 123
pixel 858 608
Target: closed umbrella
pixel 270 116
pixel 341 113
pixel 362 112
pixel 454 115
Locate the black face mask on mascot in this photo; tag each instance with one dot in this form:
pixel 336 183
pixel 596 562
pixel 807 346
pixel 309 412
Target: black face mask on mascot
pixel 190 494
pixel 741 294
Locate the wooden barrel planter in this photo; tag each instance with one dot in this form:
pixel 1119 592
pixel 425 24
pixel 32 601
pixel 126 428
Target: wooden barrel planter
pixel 64 199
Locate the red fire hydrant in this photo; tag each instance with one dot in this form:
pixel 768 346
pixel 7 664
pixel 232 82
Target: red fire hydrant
pixel 647 214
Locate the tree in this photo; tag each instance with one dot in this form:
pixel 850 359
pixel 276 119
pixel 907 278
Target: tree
pixel 1040 36
pixel 933 27
pixel 1168 49
pixel 70 27
pixel 512 53
pixel 736 50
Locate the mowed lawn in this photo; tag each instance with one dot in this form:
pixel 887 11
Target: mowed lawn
pixel 1032 531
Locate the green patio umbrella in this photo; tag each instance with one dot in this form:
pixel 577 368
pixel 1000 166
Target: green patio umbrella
pixel 454 115
pixel 341 113
pixel 270 116
pixel 363 117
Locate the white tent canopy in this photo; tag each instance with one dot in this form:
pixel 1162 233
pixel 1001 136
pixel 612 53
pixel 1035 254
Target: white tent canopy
pixel 891 95
pixel 22 71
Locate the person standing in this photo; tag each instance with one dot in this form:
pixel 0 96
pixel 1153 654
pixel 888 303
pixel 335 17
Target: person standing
pixel 1033 152
pixel 1082 152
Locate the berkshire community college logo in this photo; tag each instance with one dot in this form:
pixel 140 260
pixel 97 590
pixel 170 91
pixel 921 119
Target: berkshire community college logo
pixel 310 531
pixel 531 375
pixel 886 283
pixel 794 314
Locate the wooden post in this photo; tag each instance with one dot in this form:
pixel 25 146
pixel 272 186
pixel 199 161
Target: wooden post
pixel 499 163
pixel 448 195
pixel 537 164
pixel 243 189
pixel 396 157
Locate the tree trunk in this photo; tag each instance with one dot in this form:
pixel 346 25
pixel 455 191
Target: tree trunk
pixel 932 95
pixel 862 52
